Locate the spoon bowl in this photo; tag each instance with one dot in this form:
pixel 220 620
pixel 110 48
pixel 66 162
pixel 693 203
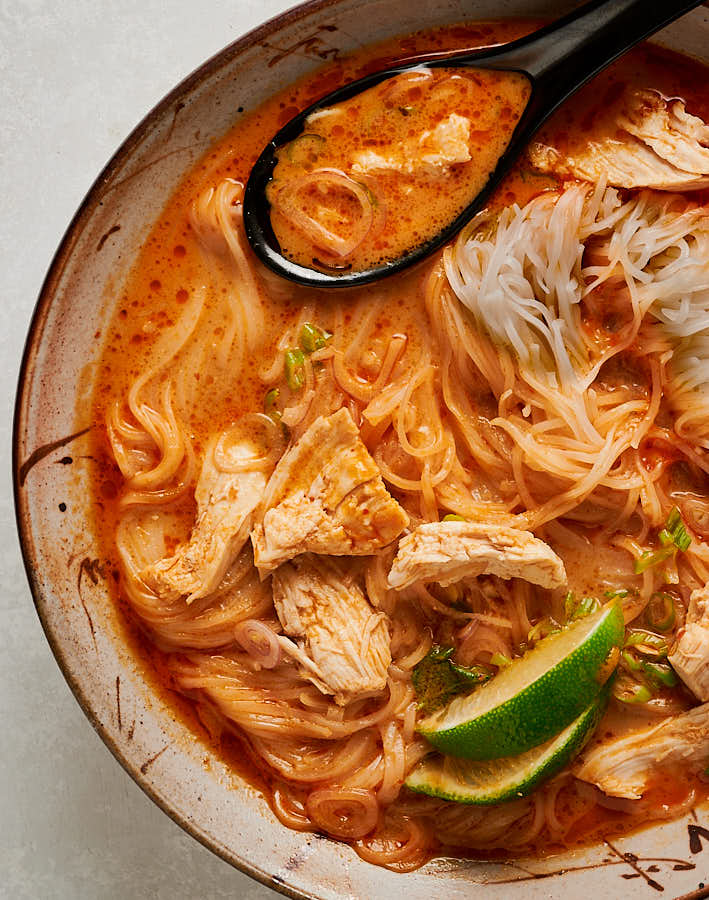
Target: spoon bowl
pixel 557 59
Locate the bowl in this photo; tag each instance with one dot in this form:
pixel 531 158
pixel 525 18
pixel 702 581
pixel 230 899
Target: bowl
pixel 69 580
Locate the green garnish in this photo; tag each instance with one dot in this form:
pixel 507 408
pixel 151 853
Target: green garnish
pixel 437 679
pixel 578 609
pixel 270 401
pixel 674 531
pixel 295 369
pixel 620 594
pixel 313 338
pixel 632 693
pixel 659 674
pixel 633 664
pixel 499 659
pixel 647 643
pixel 471 675
pixel 672 537
pixel 270 408
pixel 660 612
pixel 652 558
pixel 544 627
pixel 454 517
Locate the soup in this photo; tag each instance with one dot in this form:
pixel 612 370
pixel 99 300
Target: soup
pixel 348 523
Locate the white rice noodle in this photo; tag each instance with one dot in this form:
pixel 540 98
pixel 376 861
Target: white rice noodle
pixel 522 278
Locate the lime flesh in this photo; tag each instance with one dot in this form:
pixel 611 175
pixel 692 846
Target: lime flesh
pixel 494 781
pixel 535 697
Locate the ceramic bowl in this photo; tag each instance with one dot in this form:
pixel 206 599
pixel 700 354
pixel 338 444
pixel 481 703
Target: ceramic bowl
pixel 68 578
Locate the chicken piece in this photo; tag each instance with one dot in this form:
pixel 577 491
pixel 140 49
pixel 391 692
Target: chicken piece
pixel 334 625
pixel 445 552
pixel 652 143
pixel 226 502
pixel 690 653
pixel 433 153
pixel 326 496
pixel 623 767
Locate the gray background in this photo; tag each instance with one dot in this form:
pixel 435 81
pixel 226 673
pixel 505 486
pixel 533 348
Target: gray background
pixel 75 77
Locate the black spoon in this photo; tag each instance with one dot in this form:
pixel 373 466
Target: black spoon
pixel 558 59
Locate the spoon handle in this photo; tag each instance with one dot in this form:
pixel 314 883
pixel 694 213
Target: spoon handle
pixel 566 54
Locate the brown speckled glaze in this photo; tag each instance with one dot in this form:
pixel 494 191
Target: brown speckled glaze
pixel 51 469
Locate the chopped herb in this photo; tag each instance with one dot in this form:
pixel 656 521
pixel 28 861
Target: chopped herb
pixel 619 594
pixel 471 675
pixel 578 609
pixel 313 338
pixel 437 679
pixel 295 369
pixel 660 612
pixel 543 628
pixel 454 517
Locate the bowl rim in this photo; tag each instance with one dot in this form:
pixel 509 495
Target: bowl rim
pixel 38 319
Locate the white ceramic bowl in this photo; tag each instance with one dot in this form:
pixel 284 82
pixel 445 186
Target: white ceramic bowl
pixel 68 581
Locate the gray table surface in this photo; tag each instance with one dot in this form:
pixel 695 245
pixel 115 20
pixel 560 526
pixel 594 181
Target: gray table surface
pixel 75 77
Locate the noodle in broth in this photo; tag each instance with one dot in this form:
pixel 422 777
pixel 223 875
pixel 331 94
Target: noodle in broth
pixel 547 370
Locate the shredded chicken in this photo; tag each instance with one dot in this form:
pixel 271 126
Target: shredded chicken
pixel 345 641
pixel 446 552
pixel 690 654
pixel 433 153
pixel 652 143
pixel 226 502
pixel 327 496
pixel 624 766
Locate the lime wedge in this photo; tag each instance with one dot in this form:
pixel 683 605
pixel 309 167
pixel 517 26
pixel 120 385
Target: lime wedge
pixel 492 781
pixel 536 696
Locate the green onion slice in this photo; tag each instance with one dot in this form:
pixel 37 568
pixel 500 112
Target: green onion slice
pixel 647 643
pixel 659 674
pixel 652 558
pixel 453 517
pixel 295 369
pixel 313 338
pixel 675 531
pixel 499 659
pixel 632 692
pixel 633 664
pixel 660 612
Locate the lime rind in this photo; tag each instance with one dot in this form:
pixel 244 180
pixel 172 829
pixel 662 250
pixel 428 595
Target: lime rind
pixel 486 782
pixel 535 697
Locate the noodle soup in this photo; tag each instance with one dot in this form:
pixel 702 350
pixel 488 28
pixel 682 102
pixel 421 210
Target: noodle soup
pixel 539 375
